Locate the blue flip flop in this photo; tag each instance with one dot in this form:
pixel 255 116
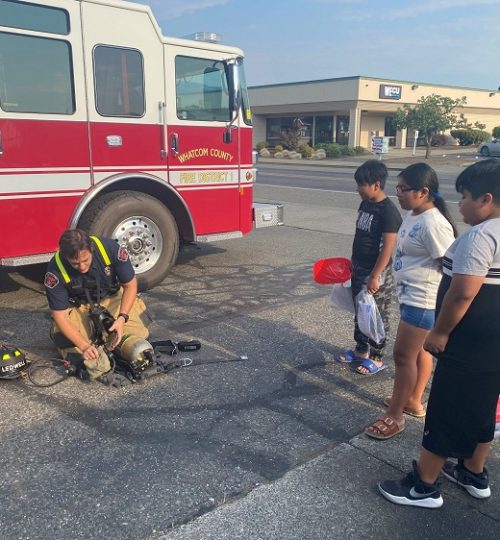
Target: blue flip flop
pixel 370 366
pixel 349 357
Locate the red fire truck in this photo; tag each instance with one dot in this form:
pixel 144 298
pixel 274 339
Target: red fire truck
pixel 107 125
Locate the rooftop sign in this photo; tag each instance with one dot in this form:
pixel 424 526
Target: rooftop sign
pixel 389 92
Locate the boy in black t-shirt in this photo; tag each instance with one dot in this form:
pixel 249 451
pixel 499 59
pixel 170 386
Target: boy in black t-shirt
pixel 374 241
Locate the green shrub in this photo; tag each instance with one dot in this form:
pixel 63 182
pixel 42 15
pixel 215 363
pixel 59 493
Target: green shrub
pixel 261 145
pixel 466 137
pixel 278 148
pixel 306 150
pixel 347 150
pixel 290 140
pixel 496 132
pixel 460 135
pixel 439 139
pixel 333 150
pixel 481 136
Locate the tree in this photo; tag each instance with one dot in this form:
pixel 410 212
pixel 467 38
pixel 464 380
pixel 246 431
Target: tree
pixel 430 115
pixel 477 126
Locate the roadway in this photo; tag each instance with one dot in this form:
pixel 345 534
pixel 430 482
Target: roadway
pixel 333 178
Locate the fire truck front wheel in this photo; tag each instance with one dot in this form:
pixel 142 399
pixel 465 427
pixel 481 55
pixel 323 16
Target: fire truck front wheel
pixel 143 225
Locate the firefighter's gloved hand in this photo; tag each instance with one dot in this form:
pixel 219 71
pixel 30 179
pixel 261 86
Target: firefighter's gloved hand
pixel 76 366
pixel 114 379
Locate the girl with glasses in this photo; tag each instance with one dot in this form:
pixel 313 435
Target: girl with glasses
pixel 423 238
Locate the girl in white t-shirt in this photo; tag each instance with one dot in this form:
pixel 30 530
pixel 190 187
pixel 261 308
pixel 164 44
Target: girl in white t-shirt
pixel 426 233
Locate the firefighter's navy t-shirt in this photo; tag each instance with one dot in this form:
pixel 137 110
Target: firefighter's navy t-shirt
pixel 100 278
pixel 374 219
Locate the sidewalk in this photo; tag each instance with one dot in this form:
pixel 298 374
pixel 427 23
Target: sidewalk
pixel 335 496
pixel 445 160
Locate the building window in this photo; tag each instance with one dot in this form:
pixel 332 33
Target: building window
pixel 275 128
pixel 289 131
pixel 410 138
pixel 342 130
pixel 119 81
pixel 36 75
pixel 323 130
pixel 390 130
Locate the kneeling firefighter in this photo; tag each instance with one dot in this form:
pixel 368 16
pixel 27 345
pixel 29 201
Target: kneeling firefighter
pixel 91 288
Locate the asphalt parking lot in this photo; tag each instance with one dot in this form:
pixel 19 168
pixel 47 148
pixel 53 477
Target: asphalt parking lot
pixel 270 447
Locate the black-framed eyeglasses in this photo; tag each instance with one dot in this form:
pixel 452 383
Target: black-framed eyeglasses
pixel 402 189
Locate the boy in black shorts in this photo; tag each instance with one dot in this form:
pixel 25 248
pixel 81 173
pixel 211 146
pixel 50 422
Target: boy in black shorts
pixel 376 233
pixel 460 421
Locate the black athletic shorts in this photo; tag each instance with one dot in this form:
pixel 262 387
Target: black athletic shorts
pixel 461 410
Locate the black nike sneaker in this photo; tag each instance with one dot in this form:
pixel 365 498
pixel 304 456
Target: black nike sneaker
pixel 411 491
pixel 476 485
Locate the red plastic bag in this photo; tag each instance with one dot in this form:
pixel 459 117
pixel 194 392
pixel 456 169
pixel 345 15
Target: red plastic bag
pixel 330 271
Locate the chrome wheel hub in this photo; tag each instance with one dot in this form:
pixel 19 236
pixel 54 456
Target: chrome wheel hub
pixel 142 239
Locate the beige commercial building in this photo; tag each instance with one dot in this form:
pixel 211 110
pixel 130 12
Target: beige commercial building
pixel 351 110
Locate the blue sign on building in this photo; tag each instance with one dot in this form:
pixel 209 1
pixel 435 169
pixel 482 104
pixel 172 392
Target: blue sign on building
pixel 389 92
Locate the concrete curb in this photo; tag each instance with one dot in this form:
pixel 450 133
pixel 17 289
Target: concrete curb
pixel 393 166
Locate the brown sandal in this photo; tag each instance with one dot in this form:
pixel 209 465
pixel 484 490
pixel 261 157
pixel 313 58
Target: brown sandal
pixel 417 413
pixel 384 428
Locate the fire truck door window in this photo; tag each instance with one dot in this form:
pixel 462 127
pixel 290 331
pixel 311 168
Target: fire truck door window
pixel 201 90
pixel 245 101
pixel 36 75
pixel 119 81
pixel 32 17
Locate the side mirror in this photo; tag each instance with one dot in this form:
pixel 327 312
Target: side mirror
pixel 227 137
pixel 234 86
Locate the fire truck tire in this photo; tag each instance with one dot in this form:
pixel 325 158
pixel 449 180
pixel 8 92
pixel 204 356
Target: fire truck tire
pixel 143 225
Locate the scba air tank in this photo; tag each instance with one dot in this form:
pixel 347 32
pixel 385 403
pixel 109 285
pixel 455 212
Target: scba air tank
pixel 137 351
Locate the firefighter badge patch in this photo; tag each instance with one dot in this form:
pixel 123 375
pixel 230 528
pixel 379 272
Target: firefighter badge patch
pixel 50 280
pixel 107 270
pixel 123 255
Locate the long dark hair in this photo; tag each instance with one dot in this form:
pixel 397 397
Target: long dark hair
pixel 420 176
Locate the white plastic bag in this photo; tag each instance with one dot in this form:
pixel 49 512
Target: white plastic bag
pixel 341 296
pixel 369 320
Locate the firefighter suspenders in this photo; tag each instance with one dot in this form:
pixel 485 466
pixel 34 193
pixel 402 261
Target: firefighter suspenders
pixel 101 249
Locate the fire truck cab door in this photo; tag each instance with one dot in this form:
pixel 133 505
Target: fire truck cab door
pixel 125 85
pixel 204 162
pixel 44 153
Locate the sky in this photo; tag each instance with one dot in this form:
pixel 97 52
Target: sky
pixel 447 42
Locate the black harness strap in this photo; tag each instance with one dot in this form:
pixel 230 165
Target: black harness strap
pixel 170 347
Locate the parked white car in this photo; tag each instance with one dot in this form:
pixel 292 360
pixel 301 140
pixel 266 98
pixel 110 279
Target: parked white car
pixel 490 148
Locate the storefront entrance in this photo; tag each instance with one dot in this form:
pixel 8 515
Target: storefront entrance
pixel 342 130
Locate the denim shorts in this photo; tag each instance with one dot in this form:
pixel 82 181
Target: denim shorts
pixel 419 317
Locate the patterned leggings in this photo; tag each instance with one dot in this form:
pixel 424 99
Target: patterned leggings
pixel 383 298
